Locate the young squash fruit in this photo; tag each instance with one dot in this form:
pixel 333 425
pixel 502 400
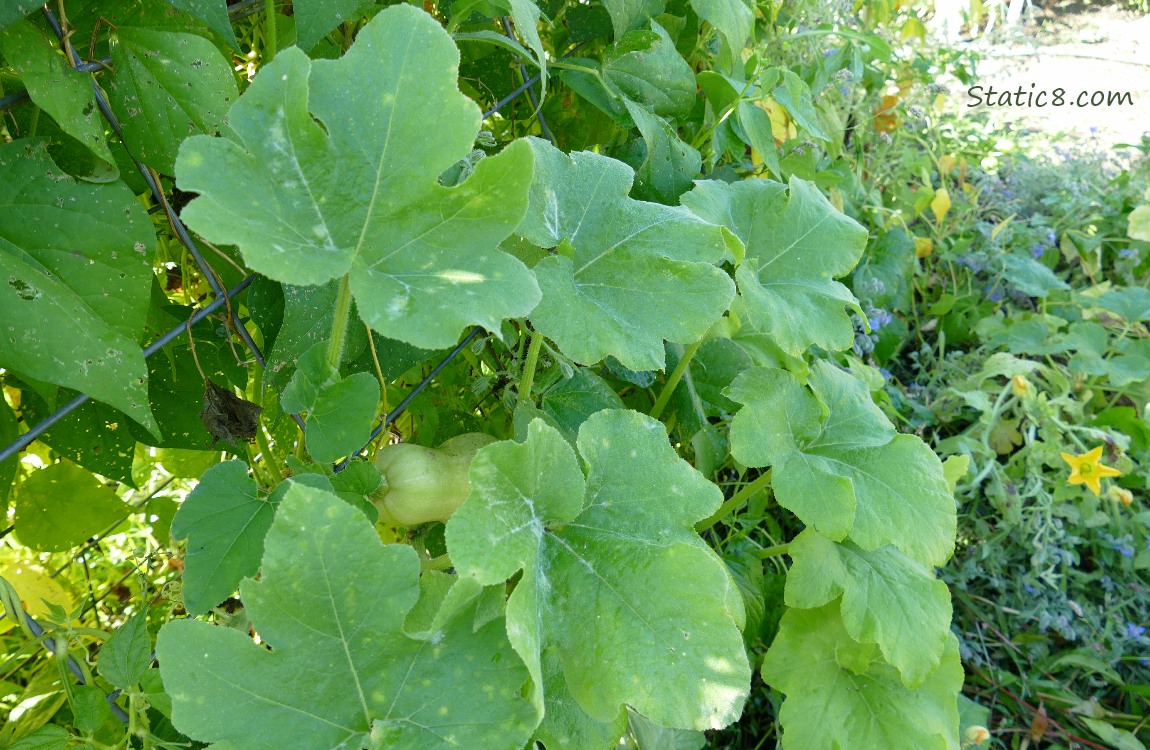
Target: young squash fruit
pixel 425 484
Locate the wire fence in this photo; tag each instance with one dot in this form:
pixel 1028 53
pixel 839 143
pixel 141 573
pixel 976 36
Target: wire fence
pixel 222 298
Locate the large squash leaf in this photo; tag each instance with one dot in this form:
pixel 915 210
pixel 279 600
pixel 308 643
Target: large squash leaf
pixel 75 271
pixel 341 672
pixel 839 465
pixel 330 168
pixel 637 608
pixel 627 274
pixel 796 242
pixel 838 695
pixel 887 599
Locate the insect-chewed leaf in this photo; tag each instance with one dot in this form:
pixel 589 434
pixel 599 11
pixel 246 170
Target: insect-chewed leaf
pixel 796 243
pixel 636 608
pixel 639 272
pixel 342 672
pixel 75 269
pixel 329 167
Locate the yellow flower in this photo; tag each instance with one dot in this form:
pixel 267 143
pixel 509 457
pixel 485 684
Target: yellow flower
pixel 1021 387
pixel 1086 469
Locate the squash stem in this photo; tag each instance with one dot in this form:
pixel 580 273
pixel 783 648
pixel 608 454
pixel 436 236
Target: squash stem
pixel 736 500
pixel 269 32
pixel 528 379
pixel 339 323
pixel 673 380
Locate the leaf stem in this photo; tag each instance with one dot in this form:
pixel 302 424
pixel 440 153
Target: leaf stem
pixel 674 378
pixel 339 323
pixel 776 551
pixel 528 378
pixel 269 31
pixel 736 500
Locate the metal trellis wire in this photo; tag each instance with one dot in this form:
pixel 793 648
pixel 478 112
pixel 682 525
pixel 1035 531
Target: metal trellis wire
pixel 222 298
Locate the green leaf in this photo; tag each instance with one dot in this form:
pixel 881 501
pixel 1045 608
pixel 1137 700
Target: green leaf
pixel 9 431
pixel 62 92
pixel 1031 277
pixel 128 653
pixel 340 410
pixel 94 435
pixel 640 272
pixel 756 126
pixel 315 19
pixel 839 465
pixel 699 394
pixel 224 520
pixel 645 68
pixel 631 14
pixel 165 87
pixel 650 736
pixel 75 270
pixel 571 401
pixel 795 244
pixel 525 14
pixel 316 181
pixel 795 97
pixel 50 737
pixel 89 708
pixel 1138 223
pixel 212 12
pixel 829 704
pixel 1132 303
pixel 887 599
pixel 341 672
pixel 565 724
pixel 884 276
pixel 638 608
pixel 14 10
pixel 60 506
pixel 1120 739
pixel 669 166
pixel 735 19
pixel 308 315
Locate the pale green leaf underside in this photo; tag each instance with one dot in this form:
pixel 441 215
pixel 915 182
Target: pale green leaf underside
pixel 637 608
pixel 61 505
pixel 75 274
pixel 357 191
pixel 887 599
pixel 829 705
pixel 224 520
pixel 840 469
pixel 341 672
pixel 640 273
pixel 796 243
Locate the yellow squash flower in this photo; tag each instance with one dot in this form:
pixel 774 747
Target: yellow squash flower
pixel 1086 469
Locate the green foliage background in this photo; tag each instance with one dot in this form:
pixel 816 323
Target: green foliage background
pixel 721 292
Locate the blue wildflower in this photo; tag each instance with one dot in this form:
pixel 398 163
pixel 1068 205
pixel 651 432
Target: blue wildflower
pixel 1038 251
pixel 1134 632
pixel 877 317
